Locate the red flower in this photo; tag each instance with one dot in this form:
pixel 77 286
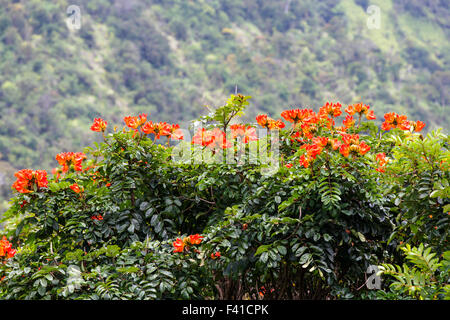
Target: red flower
pixel 76 188
pixel 160 129
pixel 178 245
pixel 247 134
pixel 214 139
pixel 147 128
pixel 175 132
pixel 370 115
pixel 272 124
pixel 330 109
pixel 289 165
pixel 70 160
pixel 97 217
pixel 215 255
pixel 195 239
pixel 320 141
pixel 363 148
pixel 131 122
pixel 382 160
pixel 6 249
pixel 99 125
pixel 135 122
pixel 275 124
pixel 202 137
pixel 262 120
pixel 393 120
pixel 312 150
pixel 304 161
pixel 29 180
pixel 349 121
pixel 417 125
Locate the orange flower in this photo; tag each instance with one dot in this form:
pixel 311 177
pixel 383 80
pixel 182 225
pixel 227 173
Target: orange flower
pixel 275 124
pixel 335 144
pixel 175 132
pixel 131 122
pixel 304 161
pixel 215 255
pixel 361 109
pixel 297 115
pixel 344 150
pixel 29 180
pixel 330 109
pixel 214 138
pixel 370 115
pixel 382 160
pixel 147 128
pixel 178 245
pixel 195 239
pixel 349 121
pixel 99 125
pixel 393 120
pixel 135 122
pixel 320 141
pixel 219 140
pixel 161 129
pixel 76 188
pixel 417 125
pixel 70 160
pixel 247 134
pixel 97 217
pixel 363 148
pixel 202 137
pixel 272 124
pixel 6 249
pixel 312 150
pixel 288 165
pixel 262 120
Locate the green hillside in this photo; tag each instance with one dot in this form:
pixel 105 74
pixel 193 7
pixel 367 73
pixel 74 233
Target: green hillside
pixel 170 58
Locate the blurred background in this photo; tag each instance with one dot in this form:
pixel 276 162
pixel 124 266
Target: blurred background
pixel 60 68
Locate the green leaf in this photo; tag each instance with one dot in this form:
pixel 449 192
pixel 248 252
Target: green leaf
pixel 261 249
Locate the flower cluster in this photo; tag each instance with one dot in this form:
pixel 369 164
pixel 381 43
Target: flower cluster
pixel 214 139
pixel 98 217
pixel 29 180
pixel 393 120
pixel 76 188
pixel 271 124
pixel 215 255
pixel 382 161
pixel 352 145
pixel 245 133
pixel 6 249
pixel 99 125
pixel 360 109
pixel 181 245
pixel 71 160
pixel 171 131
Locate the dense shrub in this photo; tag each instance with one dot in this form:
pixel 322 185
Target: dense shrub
pixel 282 212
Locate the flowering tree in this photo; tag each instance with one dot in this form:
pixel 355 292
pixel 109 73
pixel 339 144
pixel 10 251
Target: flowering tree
pixel 127 220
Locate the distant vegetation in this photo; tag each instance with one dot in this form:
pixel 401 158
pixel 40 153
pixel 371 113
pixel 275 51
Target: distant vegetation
pixel 170 58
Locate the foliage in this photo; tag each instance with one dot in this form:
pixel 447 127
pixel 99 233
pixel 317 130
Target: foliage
pixel 426 277
pixel 126 220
